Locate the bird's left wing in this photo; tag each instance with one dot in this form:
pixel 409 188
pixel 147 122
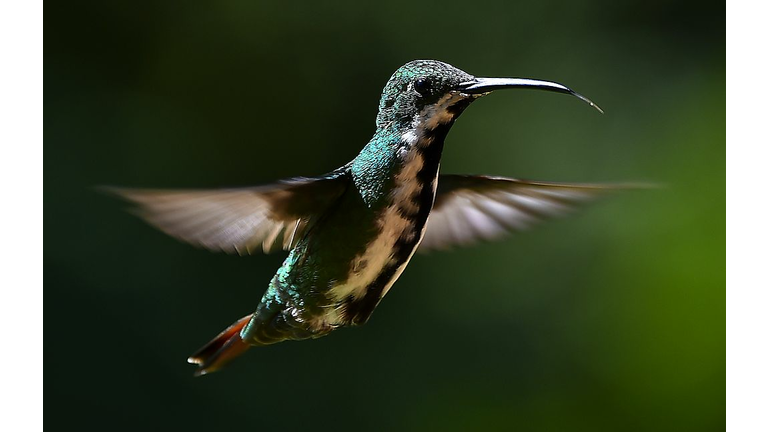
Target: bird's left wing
pixel 242 220
pixel 469 209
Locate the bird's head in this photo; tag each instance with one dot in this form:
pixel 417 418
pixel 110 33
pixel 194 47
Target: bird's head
pixel 424 94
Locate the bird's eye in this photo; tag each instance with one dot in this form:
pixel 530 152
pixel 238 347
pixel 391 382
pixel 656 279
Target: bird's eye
pixel 422 85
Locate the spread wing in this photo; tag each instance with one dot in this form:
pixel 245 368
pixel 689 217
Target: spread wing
pixel 243 220
pixel 469 209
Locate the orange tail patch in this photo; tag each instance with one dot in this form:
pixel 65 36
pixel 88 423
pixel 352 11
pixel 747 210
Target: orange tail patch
pixel 221 350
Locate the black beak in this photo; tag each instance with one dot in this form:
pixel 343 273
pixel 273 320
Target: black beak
pixel 486 85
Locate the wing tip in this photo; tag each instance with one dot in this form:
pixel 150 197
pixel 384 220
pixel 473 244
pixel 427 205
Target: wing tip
pixel 108 190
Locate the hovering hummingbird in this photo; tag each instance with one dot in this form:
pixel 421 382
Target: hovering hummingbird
pixel 350 233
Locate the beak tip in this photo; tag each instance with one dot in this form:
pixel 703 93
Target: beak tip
pixel 592 104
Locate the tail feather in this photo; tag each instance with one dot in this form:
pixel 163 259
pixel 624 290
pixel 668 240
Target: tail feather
pixel 221 350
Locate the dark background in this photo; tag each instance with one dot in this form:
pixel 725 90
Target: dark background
pixel 613 319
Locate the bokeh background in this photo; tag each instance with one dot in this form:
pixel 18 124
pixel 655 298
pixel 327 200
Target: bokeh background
pixel 613 319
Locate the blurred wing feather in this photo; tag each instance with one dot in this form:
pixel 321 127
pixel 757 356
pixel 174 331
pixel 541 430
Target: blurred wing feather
pixel 469 209
pixel 242 221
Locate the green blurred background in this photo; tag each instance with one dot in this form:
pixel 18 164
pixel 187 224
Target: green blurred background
pixel 613 319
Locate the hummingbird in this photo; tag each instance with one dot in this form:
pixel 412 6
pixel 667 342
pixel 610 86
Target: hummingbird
pixel 350 233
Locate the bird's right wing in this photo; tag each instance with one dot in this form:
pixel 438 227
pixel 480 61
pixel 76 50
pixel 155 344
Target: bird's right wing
pixel 243 220
pixel 469 209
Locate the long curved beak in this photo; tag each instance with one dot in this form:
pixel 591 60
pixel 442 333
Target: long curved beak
pixel 486 85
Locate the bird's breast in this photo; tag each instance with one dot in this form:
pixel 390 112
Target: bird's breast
pixel 399 226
